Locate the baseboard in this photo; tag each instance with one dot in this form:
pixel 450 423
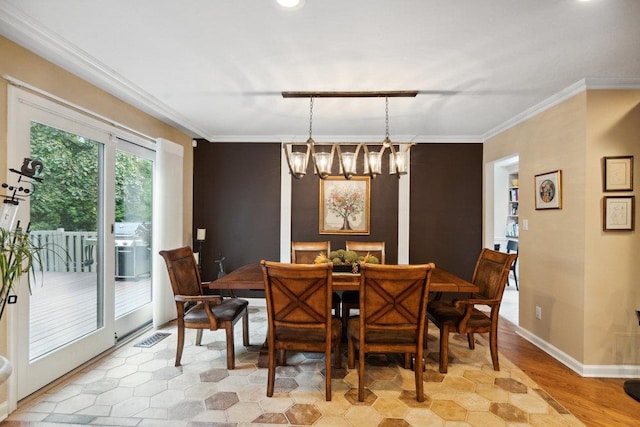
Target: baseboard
pixel 596 371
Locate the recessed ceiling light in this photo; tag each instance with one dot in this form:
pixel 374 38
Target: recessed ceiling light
pixel 290 3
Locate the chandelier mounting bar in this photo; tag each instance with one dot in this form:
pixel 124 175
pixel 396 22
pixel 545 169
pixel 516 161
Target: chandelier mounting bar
pixel 357 94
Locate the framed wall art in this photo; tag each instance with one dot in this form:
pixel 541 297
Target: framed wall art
pixel 618 173
pixel 619 213
pixel 345 205
pixel 548 190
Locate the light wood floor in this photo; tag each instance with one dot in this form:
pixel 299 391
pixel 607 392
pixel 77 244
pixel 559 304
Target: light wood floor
pixel 594 401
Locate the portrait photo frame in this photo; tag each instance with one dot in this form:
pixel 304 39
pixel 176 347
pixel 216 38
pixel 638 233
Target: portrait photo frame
pixel 618 213
pixel 548 190
pixel 345 205
pixel 617 173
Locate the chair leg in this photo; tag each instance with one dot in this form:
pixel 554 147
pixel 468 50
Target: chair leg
pixel 245 328
pixel 360 372
pixel 199 337
pixel 351 358
pixel 419 371
pixel 327 377
pixel 407 361
pixel 471 340
pixel 231 358
pixel 493 345
pixel 345 317
pixel 444 349
pixel 516 279
pixel 271 377
pixel 282 357
pixel 180 344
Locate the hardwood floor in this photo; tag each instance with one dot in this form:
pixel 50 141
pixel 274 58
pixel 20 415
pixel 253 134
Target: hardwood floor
pixel 594 401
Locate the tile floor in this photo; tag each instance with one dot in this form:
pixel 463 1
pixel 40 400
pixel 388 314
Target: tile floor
pixel 136 386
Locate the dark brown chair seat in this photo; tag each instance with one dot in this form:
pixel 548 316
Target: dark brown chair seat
pixel 461 316
pixel 199 311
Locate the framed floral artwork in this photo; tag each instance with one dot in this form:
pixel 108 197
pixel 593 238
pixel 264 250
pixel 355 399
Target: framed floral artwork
pixel 345 205
pixel 548 190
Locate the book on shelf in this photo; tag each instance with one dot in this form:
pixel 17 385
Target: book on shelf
pixel 512 229
pixel 513 195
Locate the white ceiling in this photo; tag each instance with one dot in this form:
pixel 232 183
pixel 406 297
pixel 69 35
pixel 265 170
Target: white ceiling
pixel 216 68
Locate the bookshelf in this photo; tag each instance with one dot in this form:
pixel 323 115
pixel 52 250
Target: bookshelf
pixel 512 206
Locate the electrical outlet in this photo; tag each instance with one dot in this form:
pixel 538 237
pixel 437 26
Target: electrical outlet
pixel 538 312
pixel 525 224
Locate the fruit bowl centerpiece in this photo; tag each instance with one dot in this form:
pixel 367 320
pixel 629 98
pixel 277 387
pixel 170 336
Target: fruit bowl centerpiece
pixel 346 261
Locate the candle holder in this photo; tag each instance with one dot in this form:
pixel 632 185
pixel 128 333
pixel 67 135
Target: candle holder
pixel 200 237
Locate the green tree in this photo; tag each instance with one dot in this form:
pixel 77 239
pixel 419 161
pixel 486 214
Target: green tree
pixel 68 195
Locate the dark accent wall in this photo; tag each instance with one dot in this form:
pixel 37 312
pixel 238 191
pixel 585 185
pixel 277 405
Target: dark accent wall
pixel 236 197
pixel 446 206
pixel 305 214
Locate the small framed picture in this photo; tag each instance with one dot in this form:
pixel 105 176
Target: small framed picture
pixel 619 213
pixel 618 173
pixel 548 190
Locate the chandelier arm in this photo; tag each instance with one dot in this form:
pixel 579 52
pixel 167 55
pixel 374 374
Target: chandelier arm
pixel 297 173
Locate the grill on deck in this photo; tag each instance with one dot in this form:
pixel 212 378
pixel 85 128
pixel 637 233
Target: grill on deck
pixel 132 252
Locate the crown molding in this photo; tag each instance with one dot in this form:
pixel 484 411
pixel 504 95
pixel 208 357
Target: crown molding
pixel 580 86
pixel 348 139
pixel 30 34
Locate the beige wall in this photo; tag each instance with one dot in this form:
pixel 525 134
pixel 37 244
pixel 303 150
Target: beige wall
pixel 32 69
pixel 612 258
pixel 584 280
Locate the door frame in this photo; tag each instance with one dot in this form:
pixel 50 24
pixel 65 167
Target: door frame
pixel 103 337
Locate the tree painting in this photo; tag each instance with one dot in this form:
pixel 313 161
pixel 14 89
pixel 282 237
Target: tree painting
pixel 346 206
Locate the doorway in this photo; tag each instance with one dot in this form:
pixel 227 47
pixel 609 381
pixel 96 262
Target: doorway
pixel 505 221
pixel 70 315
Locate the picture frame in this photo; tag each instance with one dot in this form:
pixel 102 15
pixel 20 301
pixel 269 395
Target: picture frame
pixel 618 173
pixel 548 190
pixel 619 213
pixel 345 206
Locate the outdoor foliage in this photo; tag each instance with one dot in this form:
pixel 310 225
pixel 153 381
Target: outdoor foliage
pixel 68 196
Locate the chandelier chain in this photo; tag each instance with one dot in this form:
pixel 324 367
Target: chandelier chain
pixel 386 111
pixel 310 116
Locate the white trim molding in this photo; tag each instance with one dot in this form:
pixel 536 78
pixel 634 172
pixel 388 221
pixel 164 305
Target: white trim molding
pixel 566 93
pixel 595 371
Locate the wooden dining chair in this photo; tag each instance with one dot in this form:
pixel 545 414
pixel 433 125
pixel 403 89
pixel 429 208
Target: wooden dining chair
pixel 462 315
pixel 512 246
pixel 306 253
pixel 299 314
pixel 351 299
pixel 393 304
pixel 199 311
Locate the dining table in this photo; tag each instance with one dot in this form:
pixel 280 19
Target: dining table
pixel 249 277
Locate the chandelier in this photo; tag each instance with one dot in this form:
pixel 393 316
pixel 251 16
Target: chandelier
pixel 322 155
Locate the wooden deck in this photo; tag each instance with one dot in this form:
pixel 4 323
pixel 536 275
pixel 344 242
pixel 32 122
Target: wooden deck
pixel 64 307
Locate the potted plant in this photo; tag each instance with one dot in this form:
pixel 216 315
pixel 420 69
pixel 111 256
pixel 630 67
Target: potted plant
pixel 18 256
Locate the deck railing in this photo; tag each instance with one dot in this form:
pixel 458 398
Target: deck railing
pixel 66 251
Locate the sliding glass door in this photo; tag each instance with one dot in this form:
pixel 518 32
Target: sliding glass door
pixel 133 200
pixel 92 215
